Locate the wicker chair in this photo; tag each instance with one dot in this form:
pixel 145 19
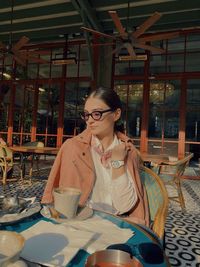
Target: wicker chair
pixel 171 172
pixel 157 199
pixel 7 164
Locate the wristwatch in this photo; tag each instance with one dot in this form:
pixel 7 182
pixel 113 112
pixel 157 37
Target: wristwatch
pixel 117 163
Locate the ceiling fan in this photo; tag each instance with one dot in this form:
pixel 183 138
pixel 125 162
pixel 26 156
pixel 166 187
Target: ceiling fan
pixel 15 49
pixel 135 39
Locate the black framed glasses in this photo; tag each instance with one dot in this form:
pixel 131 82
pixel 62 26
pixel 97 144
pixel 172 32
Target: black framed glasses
pixel 96 115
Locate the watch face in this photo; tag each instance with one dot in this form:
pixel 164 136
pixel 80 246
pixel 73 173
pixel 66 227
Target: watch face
pixel 117 163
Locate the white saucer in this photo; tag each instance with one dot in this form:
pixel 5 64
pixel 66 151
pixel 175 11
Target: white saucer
pixel 8 219
pixel 83 213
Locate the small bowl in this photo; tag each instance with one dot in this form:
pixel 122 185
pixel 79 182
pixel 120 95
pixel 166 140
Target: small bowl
pixel 11 245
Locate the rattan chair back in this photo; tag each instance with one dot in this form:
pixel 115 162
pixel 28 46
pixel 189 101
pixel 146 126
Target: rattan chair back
pixel 171 172
pixel 6 162
pixel 157 199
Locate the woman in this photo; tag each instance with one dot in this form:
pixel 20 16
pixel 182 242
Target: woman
pixel 102 162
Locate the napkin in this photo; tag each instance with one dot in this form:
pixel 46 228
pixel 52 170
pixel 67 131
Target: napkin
pixel 105 232
pixel 53 244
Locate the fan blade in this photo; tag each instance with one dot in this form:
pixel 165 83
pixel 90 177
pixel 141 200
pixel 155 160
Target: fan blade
pixel 37 60
pixel 118 24
pixel 19 60
pixel 158 37
pixel 130 49
pixel 97 33
pixel 22 41
pixel 99 44
pixel 27 56
pixel 149 47
pixel 147 24
pixel 38 52
pixel 116 50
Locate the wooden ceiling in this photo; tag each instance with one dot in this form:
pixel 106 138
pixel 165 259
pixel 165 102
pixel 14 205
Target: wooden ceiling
pixel 49 20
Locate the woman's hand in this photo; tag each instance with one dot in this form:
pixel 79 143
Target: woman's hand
pixel 120 151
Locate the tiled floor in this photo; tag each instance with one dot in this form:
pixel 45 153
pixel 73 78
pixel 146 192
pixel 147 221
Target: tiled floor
pixel 182 228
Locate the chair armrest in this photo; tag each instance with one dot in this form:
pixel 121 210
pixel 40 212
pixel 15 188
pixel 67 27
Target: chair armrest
pixel 3 164
pixel 3 160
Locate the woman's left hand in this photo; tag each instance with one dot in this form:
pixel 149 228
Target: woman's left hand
pixel 120 151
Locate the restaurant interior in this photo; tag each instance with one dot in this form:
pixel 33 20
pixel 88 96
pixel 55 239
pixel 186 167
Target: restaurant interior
pixel 54 52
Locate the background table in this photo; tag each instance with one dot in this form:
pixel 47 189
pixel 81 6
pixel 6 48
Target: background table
pixel 33 152
pixel 155 159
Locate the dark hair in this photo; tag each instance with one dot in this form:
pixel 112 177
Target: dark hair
pixel 110 98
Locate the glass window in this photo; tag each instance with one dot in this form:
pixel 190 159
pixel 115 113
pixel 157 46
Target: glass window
pixel 44 69
pixel 72 69
pixel 157 64
pixel 129 67
pixel 193 110
pixel 23 115
pixel 176 44
pixel 84 64
pixel 32 71
pixel 56 70
pixel 48 105
pixel 5 90
pixel 164 109
pixel 75 94
pixel 175 63
pixel 131 96
pixel 192 61
pixel 193 42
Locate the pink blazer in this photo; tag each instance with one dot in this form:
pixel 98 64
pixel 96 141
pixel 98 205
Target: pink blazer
pixel 73 167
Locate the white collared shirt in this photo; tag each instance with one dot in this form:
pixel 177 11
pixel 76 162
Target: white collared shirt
pixel 115 196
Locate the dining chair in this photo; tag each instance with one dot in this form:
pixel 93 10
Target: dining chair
pixel 7 164
pixel 171 172
pixel 157 199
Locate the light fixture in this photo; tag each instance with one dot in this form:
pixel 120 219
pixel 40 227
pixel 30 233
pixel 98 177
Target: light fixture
pixel 59 59
pixel 41 89
pixel 129 58
pixel 158 90
pixel 6 75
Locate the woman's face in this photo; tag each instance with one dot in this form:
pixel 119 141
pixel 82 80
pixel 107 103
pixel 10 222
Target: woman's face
pixel 104 126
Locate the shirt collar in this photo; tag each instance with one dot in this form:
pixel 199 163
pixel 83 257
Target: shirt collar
pixel 97 143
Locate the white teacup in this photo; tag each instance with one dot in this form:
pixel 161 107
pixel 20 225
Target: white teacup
pixel 66 201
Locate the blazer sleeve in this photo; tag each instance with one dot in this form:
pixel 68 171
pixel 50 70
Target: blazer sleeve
pixel 53 180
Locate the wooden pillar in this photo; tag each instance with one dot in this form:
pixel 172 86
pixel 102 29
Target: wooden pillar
pixel 182 116
pixel 106 70
pixel 10 113
pixel 61 115
pixel 145 109
pixel 35 108
pixel 96 52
